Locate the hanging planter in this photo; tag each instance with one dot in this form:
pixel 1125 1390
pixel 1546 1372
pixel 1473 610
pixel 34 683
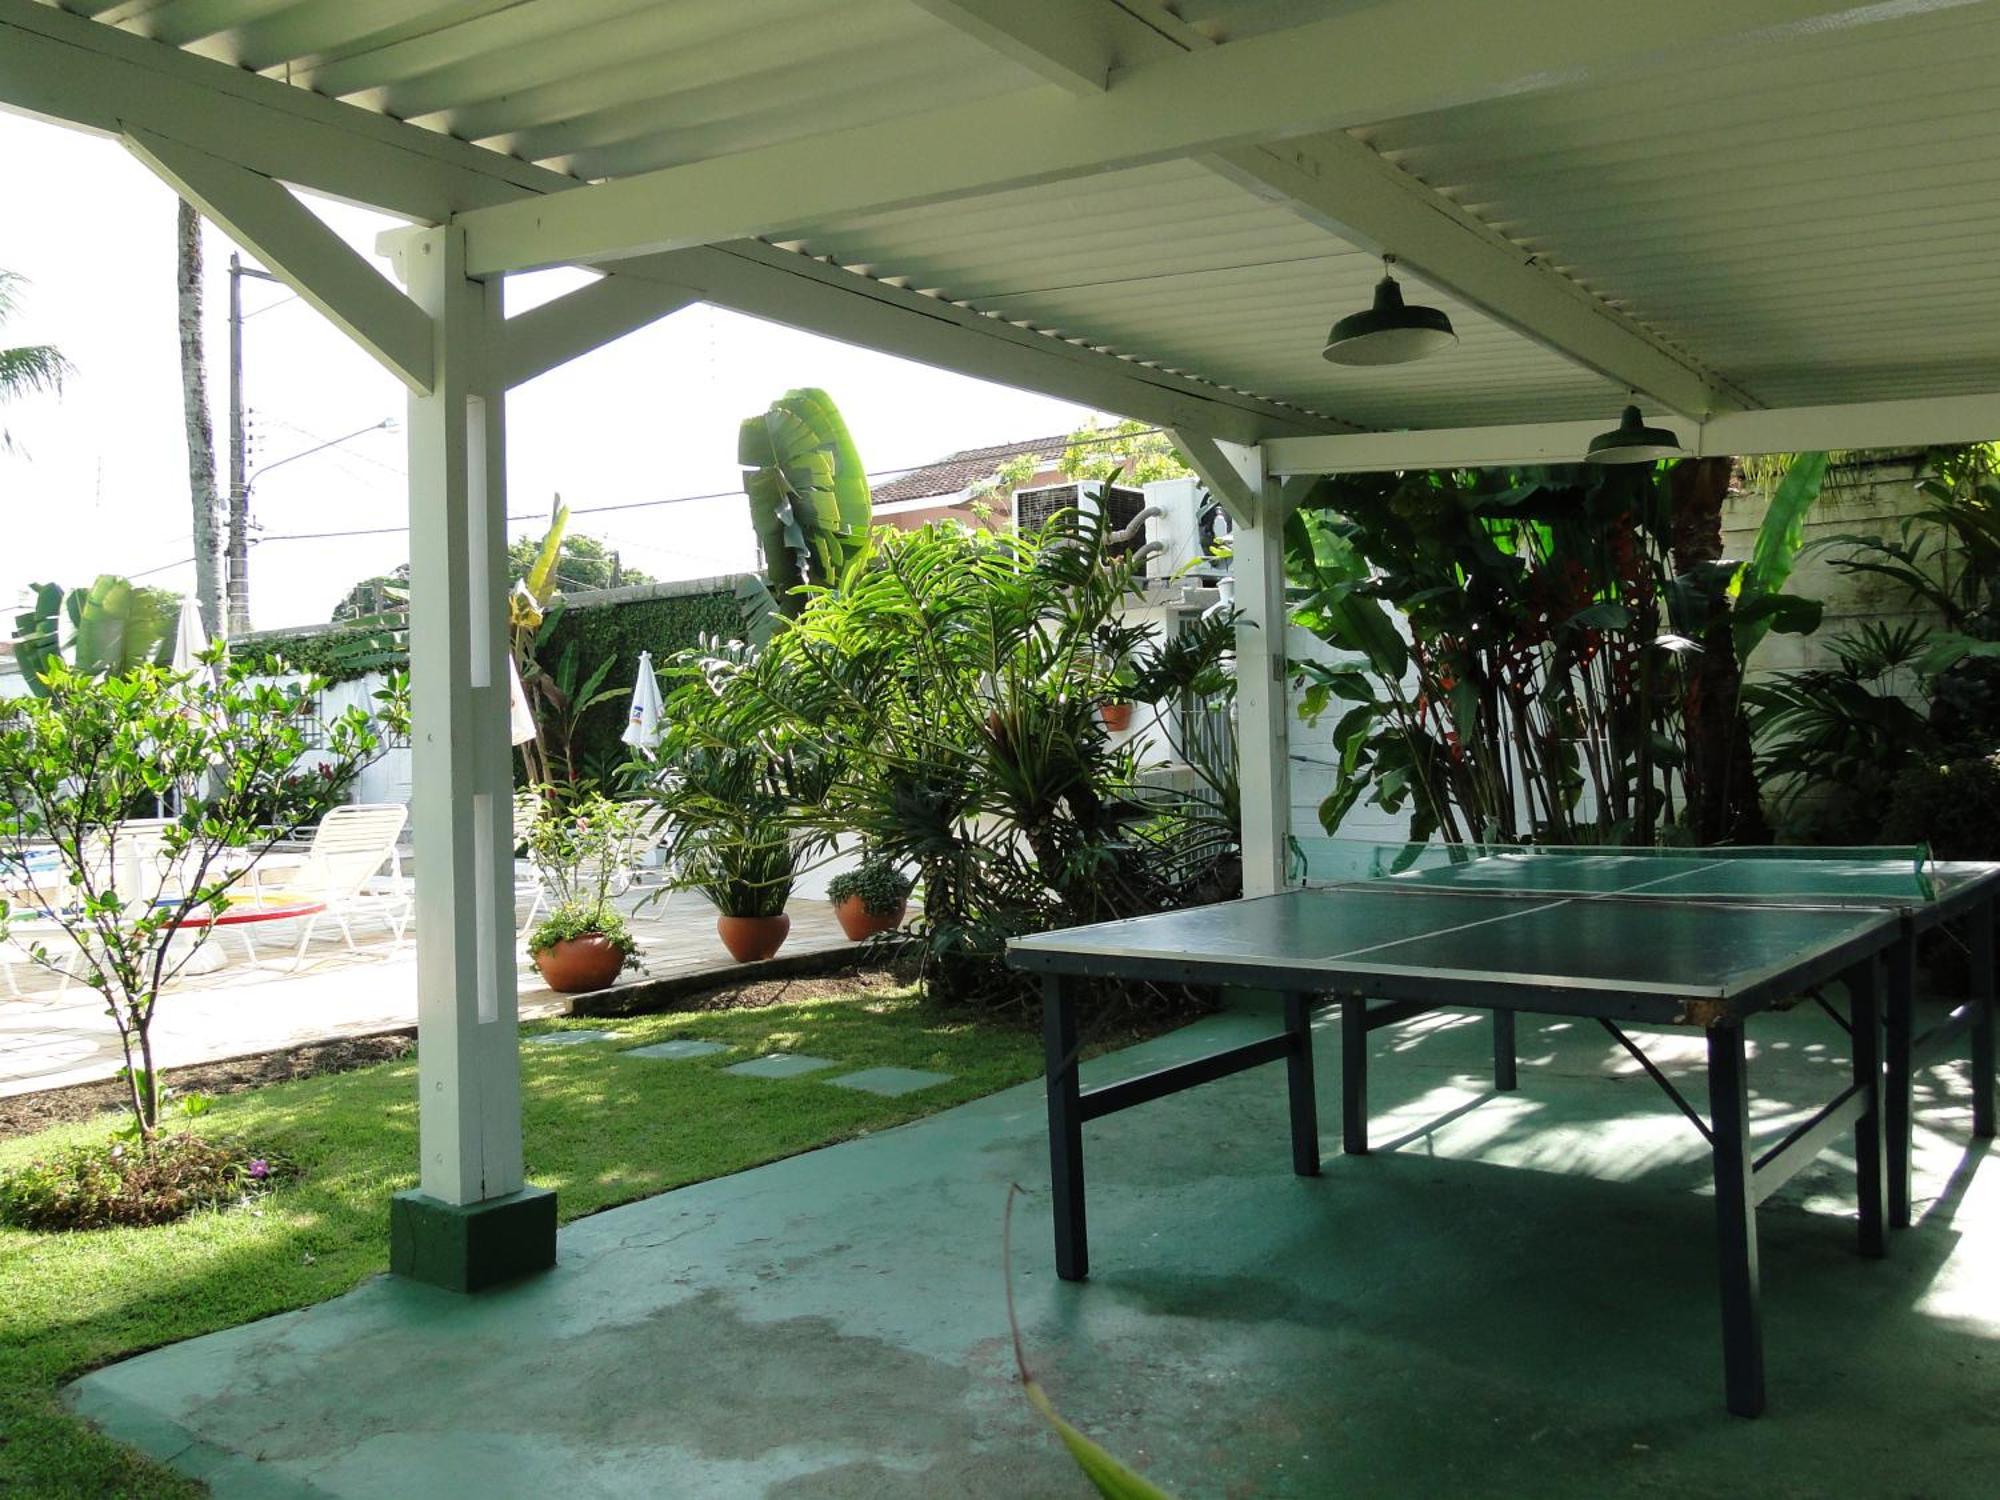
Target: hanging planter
pixel 1117 717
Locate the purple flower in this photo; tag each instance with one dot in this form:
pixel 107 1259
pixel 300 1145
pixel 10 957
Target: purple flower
pixel 259 1169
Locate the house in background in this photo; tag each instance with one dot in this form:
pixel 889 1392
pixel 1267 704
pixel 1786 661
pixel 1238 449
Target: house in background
pixel 953 487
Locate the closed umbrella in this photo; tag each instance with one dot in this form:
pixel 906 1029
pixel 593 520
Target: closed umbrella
pixel 520 720
pixel 642 720
pixel 190 640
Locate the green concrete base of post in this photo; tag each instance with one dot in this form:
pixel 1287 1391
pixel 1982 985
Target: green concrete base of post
pixel 467 1247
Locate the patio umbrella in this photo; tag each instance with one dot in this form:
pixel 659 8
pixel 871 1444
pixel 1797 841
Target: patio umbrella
pixel 520 721
pixel 190 640
pixel 642 720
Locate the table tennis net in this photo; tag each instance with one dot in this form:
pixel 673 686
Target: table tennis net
pixel 1808 876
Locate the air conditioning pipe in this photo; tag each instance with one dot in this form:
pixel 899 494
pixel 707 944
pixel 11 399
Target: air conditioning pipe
pixel 1127 532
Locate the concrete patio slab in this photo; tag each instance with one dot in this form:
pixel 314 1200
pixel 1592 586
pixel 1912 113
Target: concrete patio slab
pixel 781 1065
pixel 891 1083
pixel 675 1051
pixel 1514 1297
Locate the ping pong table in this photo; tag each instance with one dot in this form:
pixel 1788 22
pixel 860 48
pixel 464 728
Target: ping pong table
pixel 1706 939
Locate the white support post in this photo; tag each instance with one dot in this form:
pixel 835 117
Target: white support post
pixel 1263 749
pixel 472 1222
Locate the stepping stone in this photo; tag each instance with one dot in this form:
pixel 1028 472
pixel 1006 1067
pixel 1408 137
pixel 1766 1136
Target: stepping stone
pixel 569 1038
pixel 781 1065
pixel 676 1050
pixel 890 1082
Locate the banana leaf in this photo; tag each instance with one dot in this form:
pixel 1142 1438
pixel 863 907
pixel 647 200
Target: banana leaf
pixel 850 482
pixel 530 598
pixel 1779 540
pixel 119 627
pixel 809 498
pixel 38 636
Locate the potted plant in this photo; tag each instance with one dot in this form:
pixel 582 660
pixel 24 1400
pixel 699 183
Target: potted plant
pixel 584 943
pixel 869 900
pixel 748 874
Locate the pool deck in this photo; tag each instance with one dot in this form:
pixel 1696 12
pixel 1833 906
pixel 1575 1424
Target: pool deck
pixel 1515 1296
pixel 52 1036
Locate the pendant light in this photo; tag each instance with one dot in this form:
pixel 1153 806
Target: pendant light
pixel 1633 442
pixel 1390 332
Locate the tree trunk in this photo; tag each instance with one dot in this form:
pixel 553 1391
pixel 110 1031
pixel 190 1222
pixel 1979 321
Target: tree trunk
pixel 1722 805
pixel 200 435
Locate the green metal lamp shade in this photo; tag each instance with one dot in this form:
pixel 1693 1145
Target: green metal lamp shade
pixel 1389 333
pixel 1633 442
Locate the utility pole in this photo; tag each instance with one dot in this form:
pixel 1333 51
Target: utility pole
pixel 236 570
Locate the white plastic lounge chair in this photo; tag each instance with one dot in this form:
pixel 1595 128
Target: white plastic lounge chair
pixel 348 852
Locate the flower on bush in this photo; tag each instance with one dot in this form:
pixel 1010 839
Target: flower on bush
pixel 104 1185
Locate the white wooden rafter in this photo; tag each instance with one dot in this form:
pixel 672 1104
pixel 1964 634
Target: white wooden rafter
pixel 1926 422
pixel 296 246
pixel 1232 473
pixel 1352 68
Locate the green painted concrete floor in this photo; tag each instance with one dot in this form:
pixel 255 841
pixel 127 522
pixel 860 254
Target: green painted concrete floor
pixel 1515 1300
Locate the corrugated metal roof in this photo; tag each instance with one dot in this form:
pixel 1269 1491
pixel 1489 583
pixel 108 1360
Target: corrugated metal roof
pixel 1177 266
pixel 1817 221
pixel 1813 222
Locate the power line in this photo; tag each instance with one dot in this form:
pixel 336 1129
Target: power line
pixel 592 510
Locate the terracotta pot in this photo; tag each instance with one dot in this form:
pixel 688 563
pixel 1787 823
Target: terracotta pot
pixel 1116 716
pixel 751 938
pixel 580 963
pixel 858 922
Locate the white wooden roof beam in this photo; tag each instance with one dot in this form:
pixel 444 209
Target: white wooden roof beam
pixel 295 244
pixel 541 339
pixel 1378 62
pixel 1928 422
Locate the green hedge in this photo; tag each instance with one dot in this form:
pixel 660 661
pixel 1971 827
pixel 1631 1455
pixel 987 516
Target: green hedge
pixel 621 631
pixel 336 655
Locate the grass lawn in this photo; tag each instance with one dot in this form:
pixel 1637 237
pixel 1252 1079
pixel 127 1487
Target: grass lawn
pixel 601 1129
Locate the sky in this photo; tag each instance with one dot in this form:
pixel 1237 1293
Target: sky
pixel 98 479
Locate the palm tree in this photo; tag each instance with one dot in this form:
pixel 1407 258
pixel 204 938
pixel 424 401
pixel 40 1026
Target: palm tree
pixel 30 368
pixel 200 435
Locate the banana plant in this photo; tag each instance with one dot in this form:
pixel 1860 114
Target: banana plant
pixel 112 627
pixel 809 499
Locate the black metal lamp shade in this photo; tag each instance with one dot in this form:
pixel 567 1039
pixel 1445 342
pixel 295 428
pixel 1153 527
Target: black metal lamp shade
pixel 1389 333
pixel 1633 442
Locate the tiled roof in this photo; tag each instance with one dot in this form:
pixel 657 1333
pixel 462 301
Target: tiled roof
pixel 952 474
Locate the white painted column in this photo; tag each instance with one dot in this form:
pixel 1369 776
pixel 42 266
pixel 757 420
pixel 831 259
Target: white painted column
pixel 468 1055
pixel 1263 713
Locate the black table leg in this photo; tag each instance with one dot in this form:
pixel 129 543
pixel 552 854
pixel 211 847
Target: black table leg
pixel 1735 1222
pixel 1354 1077
pixel 1896 1111
pixel 1865 1023
pixel 1065 1126
pixel 1503 1051
pixel 1979 937
pixel 1299 1077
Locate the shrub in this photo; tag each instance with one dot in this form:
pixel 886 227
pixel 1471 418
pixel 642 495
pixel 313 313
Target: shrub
pixel 1953 806
pixel 881 886
pixel 575 919
pixel 113 1183
pixel 947 683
